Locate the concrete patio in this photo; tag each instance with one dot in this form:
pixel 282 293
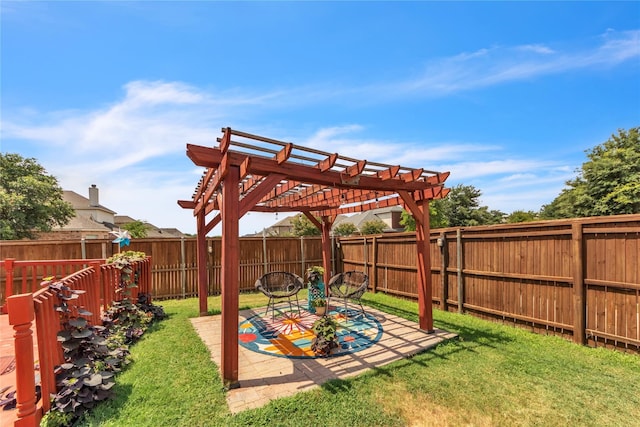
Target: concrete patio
pixel 264 377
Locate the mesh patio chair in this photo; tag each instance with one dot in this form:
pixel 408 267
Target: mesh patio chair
pixel 350 285
pixel 280 285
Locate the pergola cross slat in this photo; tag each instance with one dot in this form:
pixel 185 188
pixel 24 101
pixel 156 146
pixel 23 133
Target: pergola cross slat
pixel 247 172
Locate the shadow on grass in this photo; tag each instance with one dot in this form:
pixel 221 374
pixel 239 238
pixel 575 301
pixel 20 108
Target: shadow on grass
pixel 484 336
pixel 338 386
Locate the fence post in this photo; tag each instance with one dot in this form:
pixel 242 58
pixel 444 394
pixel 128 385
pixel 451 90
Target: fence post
pixel 265 264
pixel 333 254
pixel 442 242
pixel 21 315
pixel 579 300
pixel 302 255
pixel 8 286
pixel 374 267
pixel 183 268
pixel 365 260
pixel 83 248
pixel 460 276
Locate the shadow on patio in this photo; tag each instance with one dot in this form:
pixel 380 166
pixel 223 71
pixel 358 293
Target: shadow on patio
pixel 263 377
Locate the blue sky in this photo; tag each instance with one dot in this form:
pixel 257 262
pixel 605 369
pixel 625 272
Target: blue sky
pixel 505 95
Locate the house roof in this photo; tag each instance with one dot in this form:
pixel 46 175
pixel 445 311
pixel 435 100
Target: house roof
pixel 83 223
pixel 152 230
pixel 81 203
pixel 359 219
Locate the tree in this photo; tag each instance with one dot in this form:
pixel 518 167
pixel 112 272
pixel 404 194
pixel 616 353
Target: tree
pixel 607 184
pixel 30 199
pixel 460 208
pixel 521 216
pixel 302 226
pixel 345 229
pixel 375 226
pixel 436 217
pixel 137 229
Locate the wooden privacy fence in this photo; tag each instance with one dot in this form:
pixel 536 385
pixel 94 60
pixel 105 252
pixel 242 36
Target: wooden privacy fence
pixel 174 273
pixel 99 284
pixel 577 278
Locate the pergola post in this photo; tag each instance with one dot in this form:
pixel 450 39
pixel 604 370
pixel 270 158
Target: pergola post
pixel 424 285
pixel 202 263
pixel 230 276
pixel 326 249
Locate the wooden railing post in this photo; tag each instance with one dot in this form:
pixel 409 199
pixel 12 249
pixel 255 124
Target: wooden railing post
pixel 21 315
pixel 95 303
pixel 579 300
pixel 8 266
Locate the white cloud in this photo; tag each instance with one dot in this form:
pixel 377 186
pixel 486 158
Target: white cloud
pixel 498 65
pixel 536 48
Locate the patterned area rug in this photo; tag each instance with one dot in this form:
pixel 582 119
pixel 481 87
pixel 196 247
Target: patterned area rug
pixel 289 334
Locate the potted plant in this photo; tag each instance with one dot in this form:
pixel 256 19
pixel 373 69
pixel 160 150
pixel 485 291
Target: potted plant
pixel 315 273
pixel 326 337
pixel 320 304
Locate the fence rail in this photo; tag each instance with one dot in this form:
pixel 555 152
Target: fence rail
pixel 174 273
pixel 576 278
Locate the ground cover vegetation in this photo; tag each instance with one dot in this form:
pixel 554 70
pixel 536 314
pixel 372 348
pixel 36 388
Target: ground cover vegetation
pixel 492 375
pixel 94 354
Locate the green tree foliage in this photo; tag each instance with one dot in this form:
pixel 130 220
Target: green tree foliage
pixel 302 226
pixel 436 217
pixel 345 229
pixel 607 184
pixel 521 216
pixel 137 229
pixel 30 199
pixel 375 226
pixel 461 208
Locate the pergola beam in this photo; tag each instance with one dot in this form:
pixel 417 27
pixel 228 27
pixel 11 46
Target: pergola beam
pixel 212 157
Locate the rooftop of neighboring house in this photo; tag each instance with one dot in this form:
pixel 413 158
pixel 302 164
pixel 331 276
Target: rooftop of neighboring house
pixel 389 215
pixel 98 220
pixel 152 230
pixel 80 202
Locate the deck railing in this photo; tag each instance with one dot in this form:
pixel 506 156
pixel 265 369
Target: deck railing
pixel 100 284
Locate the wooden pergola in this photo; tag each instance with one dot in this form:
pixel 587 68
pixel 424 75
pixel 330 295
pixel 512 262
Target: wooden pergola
pixel 247 172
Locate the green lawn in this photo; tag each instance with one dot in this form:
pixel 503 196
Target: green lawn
pixel 493 375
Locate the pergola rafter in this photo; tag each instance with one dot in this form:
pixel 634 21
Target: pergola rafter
pixel 248 172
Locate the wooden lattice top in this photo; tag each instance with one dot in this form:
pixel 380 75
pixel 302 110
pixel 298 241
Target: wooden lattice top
pixel 278 176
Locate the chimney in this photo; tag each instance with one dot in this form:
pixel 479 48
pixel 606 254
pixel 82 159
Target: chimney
pixel 93 196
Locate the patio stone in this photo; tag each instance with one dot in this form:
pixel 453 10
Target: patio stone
pixel 264 377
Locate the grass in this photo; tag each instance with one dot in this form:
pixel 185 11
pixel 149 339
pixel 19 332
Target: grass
pixel 493 375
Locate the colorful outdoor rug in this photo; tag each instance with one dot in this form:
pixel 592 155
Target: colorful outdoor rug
pixel 289 334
